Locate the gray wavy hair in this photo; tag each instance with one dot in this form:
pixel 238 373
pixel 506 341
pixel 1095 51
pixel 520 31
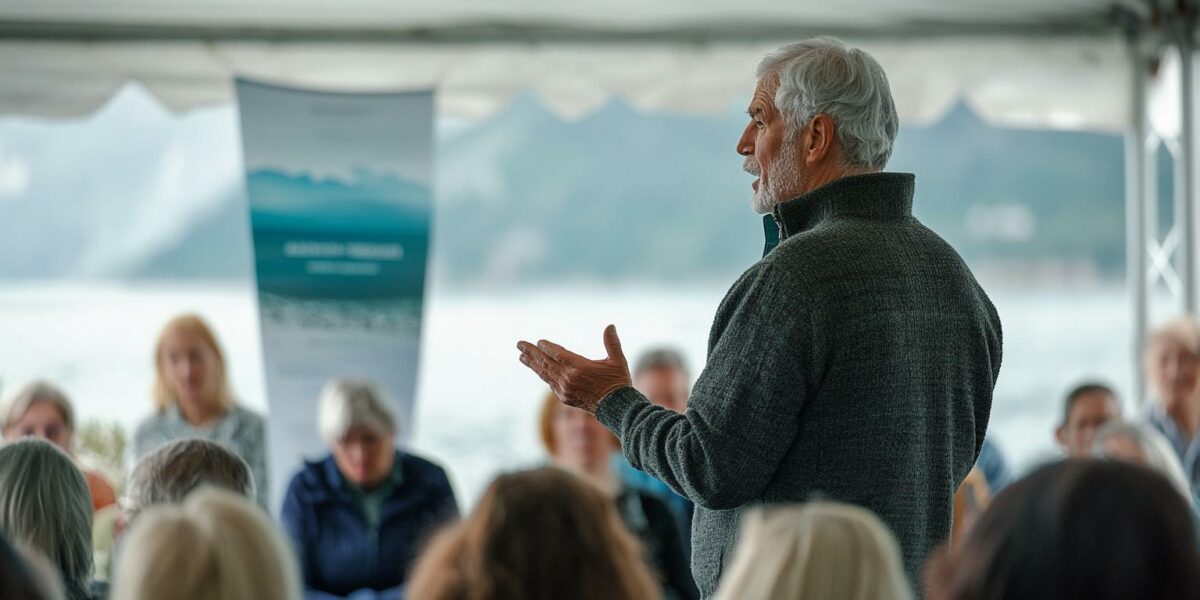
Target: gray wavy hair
pixel 168 474
pixel 45 504
pixel 823 75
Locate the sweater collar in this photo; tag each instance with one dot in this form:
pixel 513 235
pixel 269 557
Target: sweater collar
pixel 872 196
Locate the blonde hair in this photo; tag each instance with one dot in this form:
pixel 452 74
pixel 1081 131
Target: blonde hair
pixel 164 396
pixel 216 545
pixel 816 551
pixel 20 401
pixel 1182 330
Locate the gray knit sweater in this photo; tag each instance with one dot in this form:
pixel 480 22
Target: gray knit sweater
pixel 855 362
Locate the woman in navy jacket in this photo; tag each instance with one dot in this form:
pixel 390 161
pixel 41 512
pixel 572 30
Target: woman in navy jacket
pixel 359 516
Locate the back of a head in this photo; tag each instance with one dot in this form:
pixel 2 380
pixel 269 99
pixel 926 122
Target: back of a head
pixel 217 545
pixel 1153 447
pixel 816 551
pixel 170 473
pixel 45 504
pixel 25 575
pixel 823 75
pixel 535 535
pixel 1077 529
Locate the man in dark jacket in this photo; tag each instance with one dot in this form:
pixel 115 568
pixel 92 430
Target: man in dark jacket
pixel 855 362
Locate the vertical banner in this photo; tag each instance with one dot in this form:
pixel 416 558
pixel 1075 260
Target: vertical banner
pixel 339 193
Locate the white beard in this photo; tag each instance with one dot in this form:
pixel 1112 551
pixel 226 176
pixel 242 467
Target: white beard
pixel 783 176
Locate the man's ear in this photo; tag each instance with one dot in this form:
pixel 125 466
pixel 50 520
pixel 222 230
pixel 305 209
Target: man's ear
pixel 818 144
pixel 1060 434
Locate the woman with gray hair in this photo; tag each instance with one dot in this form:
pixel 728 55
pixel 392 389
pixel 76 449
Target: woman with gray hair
pixel 40 409
pixel 357 516
pixel 44 504
pixel 1142 445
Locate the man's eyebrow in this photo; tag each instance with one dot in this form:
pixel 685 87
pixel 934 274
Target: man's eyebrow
pixel 754 111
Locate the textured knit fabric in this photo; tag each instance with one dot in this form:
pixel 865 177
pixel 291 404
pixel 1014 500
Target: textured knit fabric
pixel 340 553
pixel 855 362
pixel 239 429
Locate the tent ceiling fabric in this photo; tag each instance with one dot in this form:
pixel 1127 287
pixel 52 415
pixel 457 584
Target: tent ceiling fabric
pixel 186 53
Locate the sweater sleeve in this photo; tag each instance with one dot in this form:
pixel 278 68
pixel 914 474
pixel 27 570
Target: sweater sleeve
pixel 741 417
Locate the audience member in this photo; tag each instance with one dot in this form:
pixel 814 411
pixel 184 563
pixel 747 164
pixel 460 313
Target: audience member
pixel 192 399
pixel 358 516
pixel 41 409
pixel 25 575
pixel 535 535
pixel 1088 407
pixel 217 545
pixel 992 464
pixel 1172 364
pixel 970 501
pixel 44 503
pixel 1074 530
pixel 168 474
pixel 662 375
pixel 815 551
pixel 579 443
pixel 1141 444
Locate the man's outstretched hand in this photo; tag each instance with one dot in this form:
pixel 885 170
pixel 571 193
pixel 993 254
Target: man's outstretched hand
pixel 578 381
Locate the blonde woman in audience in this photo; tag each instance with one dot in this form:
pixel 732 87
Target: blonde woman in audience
pixel 535 535
pixel 216 546
pixel 192 399
pixel 41 409
pixel 1142 445
pixel 815 551
pixel 44 504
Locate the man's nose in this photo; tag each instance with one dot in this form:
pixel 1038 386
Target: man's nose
pixel 745 145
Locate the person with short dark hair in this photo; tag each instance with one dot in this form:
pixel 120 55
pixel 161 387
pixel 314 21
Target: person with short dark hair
pixel 26 575
pixel 1088 407
pixel 1074 530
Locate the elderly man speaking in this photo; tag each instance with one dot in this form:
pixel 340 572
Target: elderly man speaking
pixel 855 362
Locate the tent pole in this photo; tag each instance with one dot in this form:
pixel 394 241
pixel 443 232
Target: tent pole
pixel 1137 145
pixel 1186 166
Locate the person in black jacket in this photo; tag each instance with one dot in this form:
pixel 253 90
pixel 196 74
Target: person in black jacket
pixel 577 442
pixel 358 517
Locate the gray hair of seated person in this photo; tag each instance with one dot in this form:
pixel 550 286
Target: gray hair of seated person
pixel 1157 453
pixel 823 75
pixel 168 474
pixel 45 505
pixel 347 404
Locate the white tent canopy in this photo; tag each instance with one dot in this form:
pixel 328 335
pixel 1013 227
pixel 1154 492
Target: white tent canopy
pixel 1094 64
pixel 1067 69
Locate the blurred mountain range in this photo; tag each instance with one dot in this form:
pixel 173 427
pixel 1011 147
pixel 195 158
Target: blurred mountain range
pixel 134 192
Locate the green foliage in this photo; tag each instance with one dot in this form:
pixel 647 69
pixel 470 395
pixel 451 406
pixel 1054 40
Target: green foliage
pixel 101 445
